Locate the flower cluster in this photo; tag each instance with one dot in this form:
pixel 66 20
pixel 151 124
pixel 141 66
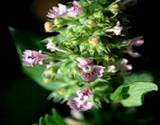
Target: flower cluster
pixel 81 102
pixel 32 58
pixel 88 52
pixel 62 10
pixel 90 72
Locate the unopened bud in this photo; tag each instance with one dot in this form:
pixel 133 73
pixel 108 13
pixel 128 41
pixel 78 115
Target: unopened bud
pixel 112 69
pixel 93 40
pixel 114 8
pixel 91 24
pixel 48 26
pixel 58 22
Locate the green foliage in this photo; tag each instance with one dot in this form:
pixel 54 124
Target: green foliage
pixel 36 74
pixel 25 40
pixel 131 93
pixel 138 77
pixel 53 119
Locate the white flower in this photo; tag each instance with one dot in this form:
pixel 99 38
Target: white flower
pixel 124 65
pixel 51 46
pixel 117 29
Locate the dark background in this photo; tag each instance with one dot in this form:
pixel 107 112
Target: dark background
pixel 22 101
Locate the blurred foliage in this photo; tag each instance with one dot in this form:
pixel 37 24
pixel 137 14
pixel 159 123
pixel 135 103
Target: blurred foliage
pixel 52 119
pixel 132 91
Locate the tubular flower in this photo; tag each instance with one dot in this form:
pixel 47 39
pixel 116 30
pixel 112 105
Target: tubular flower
pixel 74 10
pixel 56 12
pixel 32 58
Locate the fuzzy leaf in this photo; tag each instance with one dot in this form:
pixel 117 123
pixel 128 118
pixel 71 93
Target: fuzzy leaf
pixel 130 95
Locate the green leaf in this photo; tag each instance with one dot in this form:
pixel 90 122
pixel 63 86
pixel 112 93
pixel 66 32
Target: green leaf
pixel 52 119
pixel 36 74
pixel 26 40
pixel 130 95
pixel 138 77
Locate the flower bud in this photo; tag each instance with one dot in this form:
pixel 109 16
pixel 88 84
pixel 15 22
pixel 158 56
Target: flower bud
pixel 51 46
pixel 74 10
pixel 91 23
pixel 58 22
pixel 124 66
pixel 111 69
pixel 98 15
pixel 94 40
pixel 114 8
pixel 48 75
pixel 48 26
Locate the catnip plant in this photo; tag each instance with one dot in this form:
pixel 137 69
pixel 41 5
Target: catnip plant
pixel 84 63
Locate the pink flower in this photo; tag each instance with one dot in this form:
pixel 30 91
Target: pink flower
pixel 88 76
pixel 124 66
pixel 84 94
pixel 74 10
pixel 92 74
pixel 138 41
pixel 79 105
pixel 56 12
pixel 133 54
pixel 32 58
pixel 84 62
pixel 98 70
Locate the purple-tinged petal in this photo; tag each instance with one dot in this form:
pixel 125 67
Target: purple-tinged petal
pixel 98 70
pixel 74 10
pixel 88 77
pixel 56 12
pixel 77 104
pixel 62 9
pixel 84 62
pixel 134 54
pixel 84 94
pixel 31 58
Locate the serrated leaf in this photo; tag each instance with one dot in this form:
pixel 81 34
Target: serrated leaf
pixel 52 119
pixel 136 92
pixel 130 95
